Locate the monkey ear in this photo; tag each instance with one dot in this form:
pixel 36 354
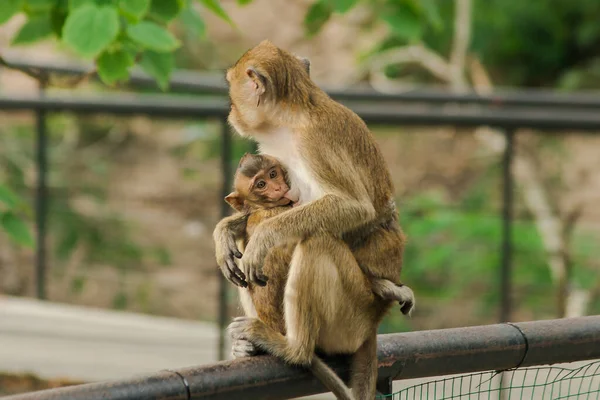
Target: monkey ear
pixel 259 81
pixel 246 155
pixel 306 62
pixel 234 200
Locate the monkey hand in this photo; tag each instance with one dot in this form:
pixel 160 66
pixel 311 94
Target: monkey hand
pixel 254 256
pixel 225 253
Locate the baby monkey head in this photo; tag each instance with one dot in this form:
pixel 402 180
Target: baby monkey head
pixel 260 182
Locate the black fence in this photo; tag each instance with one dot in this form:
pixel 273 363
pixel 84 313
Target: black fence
pixel 401 356
pixel 507 111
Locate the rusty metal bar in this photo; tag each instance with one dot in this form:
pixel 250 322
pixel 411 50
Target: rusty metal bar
pixel 401 356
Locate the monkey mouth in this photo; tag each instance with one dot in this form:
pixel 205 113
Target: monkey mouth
pixel 290 196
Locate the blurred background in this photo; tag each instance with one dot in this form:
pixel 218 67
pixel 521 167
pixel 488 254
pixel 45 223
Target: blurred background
pixel 132 199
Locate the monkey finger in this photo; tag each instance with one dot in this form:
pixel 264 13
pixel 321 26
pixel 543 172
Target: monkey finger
pixel 233 249
pixel 234 279
pixel 235 275
pixel 259 278
pixel 237 281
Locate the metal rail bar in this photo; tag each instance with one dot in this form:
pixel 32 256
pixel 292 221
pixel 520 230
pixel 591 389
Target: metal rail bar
pixel 199 82
pixel 177 106
pixel 41 197
pixel 506 251
pixel 401 356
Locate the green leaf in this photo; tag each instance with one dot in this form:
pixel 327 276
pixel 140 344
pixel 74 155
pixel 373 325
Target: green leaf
pixel 403 22
pixel 34 29
pixel 114 66
pixel 8 9
pixel 194 22
pixel 159 66
pixel 8 197
pixel 39 5
pixel 165 11
pixel 134 8
pixel 90 29
pixel 343 6
pixel 16 229
pixel 317 15
pixel 243 2
pixel 152 36
pixel 215 7
pixel 74 4
pixel 432 13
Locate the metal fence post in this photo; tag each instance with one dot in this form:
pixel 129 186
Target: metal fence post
pixel 226 171
pixel 384 387
pixel 41 196
pixel 507 219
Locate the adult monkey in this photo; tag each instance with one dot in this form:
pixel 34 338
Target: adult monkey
pixel 344 187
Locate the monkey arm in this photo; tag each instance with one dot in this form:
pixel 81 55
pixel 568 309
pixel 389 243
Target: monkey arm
pixel 333 214
pixel 227 231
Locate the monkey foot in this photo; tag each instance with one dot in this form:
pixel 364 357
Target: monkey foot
pixel 406 307
pixel 241 328
pixel 406 299
pixel 243 348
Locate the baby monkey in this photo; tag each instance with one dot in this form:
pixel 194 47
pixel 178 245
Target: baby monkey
pixel 262 191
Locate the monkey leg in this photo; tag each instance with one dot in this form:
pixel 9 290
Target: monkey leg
pixel 401 293
pixel 328 303
pixel 363 375
pixel 243 348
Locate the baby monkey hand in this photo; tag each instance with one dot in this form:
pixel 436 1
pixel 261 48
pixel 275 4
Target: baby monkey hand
pixel 254 256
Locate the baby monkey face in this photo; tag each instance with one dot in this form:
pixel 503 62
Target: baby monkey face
pixel 268 187
pixel 260 182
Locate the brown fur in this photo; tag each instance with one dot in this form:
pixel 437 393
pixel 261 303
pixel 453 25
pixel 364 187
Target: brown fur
pixel 345 190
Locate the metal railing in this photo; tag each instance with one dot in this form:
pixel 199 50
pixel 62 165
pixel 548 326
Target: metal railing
pixel 508 112
pixel 497 347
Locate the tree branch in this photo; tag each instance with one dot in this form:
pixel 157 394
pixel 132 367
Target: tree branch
pixel 27 71
pixel 416 54
pixel 44 78
pixel 460 44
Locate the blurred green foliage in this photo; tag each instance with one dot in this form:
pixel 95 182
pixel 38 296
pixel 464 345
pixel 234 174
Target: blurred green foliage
pixel 453 252
pixel 551 43
pixel 81 165
pixel 115 34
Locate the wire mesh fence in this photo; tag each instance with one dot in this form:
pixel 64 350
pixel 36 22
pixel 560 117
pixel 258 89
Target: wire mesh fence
pixel 536 383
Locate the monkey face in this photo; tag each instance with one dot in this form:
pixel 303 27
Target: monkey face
pixel 260 182
pixel 268 188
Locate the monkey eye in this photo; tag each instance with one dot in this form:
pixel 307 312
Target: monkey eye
pixel 261 184
pixel 273 174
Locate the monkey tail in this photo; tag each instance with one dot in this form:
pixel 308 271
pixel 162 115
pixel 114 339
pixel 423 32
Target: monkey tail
pixel 329 378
